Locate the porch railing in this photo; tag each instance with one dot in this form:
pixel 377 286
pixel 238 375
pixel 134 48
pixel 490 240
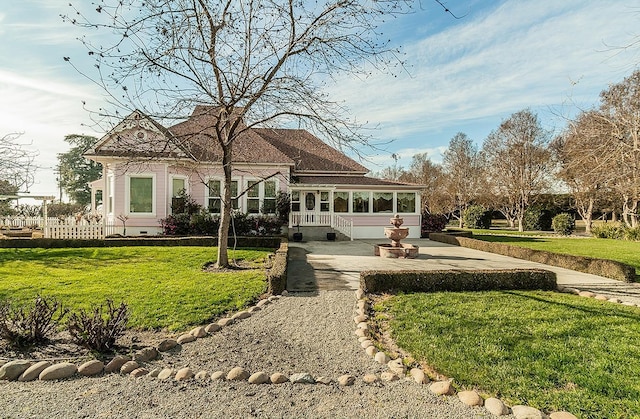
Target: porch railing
pixel 343 225
pixel 322 219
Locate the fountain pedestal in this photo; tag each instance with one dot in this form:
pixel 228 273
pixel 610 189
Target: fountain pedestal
pixel 396 249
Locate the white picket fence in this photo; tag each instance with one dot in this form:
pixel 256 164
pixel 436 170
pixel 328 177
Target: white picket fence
pixel 60 228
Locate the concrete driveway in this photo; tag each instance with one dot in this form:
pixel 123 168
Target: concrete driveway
pixel 324 265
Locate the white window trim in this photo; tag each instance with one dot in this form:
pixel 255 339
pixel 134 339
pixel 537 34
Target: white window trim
pixel 174 177
pixel 110 192
pixel 251 181
pixel 241 201
pixel 127 195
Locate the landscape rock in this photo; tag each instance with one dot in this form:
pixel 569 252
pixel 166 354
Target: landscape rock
pixel 346 380
pixel 241 315
pixel 397 367
pixel 526 412
pixel 278 378
pixel 366 343
pixel 34 371
pixel 419 376
pixel 128 367
pixel 389 376
pixel 371 351
pixel 154 372
pixel 259 378
pixel 116 363
pixel 202 375
pixel 615 300
pixel 360 333
pixel 90 368
pixel 58 371
pixel 363 326
pixel 13 369
pixel 359 319
pixel 284 293
pixel 184 374
pixel 139 372
pixel 198 332
pixel 569 290
pixel 225 321
pixel 218 376
pixel 167 345
pixel 212 328
pixel 274 298
pixel 254 309
pixel 601 297
pixel 302 378
pixel 324 380
pixel 237 374
pixel 166 374
pixel 562 415
pixel 470 398
pixel 370 378
pixel 145 355
pixel 381 358
pixel 363 338
pixel 496 407
pixel 441 388
pixel 186 338
pixel 629 304
pixel 360 294
pixel 588 294
pixel 263 303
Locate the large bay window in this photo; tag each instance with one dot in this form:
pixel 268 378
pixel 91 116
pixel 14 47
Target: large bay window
pixel 406 202
pixel 341 202
pixel 141 194
pixel 383 202
pixel 261 197
pixel 360 201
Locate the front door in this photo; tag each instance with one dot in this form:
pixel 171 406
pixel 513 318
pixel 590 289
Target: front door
pixel 310 207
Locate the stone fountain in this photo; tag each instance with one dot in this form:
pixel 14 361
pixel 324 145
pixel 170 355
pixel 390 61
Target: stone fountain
pixel 396 249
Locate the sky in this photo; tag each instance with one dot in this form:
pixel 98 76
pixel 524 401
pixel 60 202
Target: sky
pixel 463 74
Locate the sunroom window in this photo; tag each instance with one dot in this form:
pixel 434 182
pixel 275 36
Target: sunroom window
pixel 383 202
pixel 360 202
pixel 406 202
pixel 341 202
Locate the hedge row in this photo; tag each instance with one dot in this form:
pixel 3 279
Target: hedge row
pixel 601 267
pixel 277 275
pixel 245 242
pixel 457 280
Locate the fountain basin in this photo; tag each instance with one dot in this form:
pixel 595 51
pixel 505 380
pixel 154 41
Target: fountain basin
pixel 404 251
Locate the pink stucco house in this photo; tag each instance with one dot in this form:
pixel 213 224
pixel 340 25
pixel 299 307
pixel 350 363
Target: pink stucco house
pixel 146 165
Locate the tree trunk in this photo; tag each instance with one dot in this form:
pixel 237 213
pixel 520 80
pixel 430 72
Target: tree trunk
pixel 225 210
pixel 520 222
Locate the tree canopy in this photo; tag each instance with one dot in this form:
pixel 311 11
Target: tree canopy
pixel 75 171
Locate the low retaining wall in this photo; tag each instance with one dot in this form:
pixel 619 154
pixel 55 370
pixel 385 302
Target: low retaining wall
pixel 601 267
pixel 245 242
pixel 457 280
pixel 277 275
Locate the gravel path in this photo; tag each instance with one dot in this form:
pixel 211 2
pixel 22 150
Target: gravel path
pixel 310 333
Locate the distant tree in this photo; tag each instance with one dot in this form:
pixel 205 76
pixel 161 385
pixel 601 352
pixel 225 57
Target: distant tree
pixel 7 188
pixel 75 171
pixel 394 172
pixel 257 62
pixel 17 166
pixel 463 170
pixel 423 171
pixel 518 163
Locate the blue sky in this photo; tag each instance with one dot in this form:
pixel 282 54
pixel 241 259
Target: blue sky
pixel 463 74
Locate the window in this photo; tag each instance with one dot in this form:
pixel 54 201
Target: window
pixel 360 201
pixel 141 195
pixel 324 201
pixel 341 202
pixel 269 202
pixel 178 186
pixel 253 198
pixel 383 202
pixel 214 195
pixel 406 202
pixel 295 201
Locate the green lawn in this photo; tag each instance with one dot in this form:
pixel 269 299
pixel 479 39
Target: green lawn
pixel 165 287
pixel 544 349
pixel 619 250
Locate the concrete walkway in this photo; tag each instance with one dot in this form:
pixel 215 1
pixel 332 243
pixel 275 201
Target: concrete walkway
pixel 323 265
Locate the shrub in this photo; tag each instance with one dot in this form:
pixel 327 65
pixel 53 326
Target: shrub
pixel 27 326
pixel 632 234
pixel 283 207
pixel 98 331
pixel 176 224
pixel 564 224
pixel 185 204
pixel 475 216
pixel 203 224
pixel 609 231
pixel 537 219
pixel 432 223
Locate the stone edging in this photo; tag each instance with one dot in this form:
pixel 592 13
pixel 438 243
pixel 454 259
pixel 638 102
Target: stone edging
pixel 398 369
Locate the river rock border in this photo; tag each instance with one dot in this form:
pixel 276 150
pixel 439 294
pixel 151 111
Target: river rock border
pixel 398 369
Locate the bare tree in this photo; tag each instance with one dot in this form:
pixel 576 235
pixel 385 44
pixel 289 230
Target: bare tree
pixel 463 170
pixel 517 163
pixel 17 167
pixel 257 62
pixel 423 171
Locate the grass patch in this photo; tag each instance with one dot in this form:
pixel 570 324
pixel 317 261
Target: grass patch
pixel 619 250
pixel 165 287
pixel 544 349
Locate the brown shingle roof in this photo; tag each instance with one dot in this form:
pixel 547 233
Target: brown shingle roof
pixel 348 181
pixel 309 152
